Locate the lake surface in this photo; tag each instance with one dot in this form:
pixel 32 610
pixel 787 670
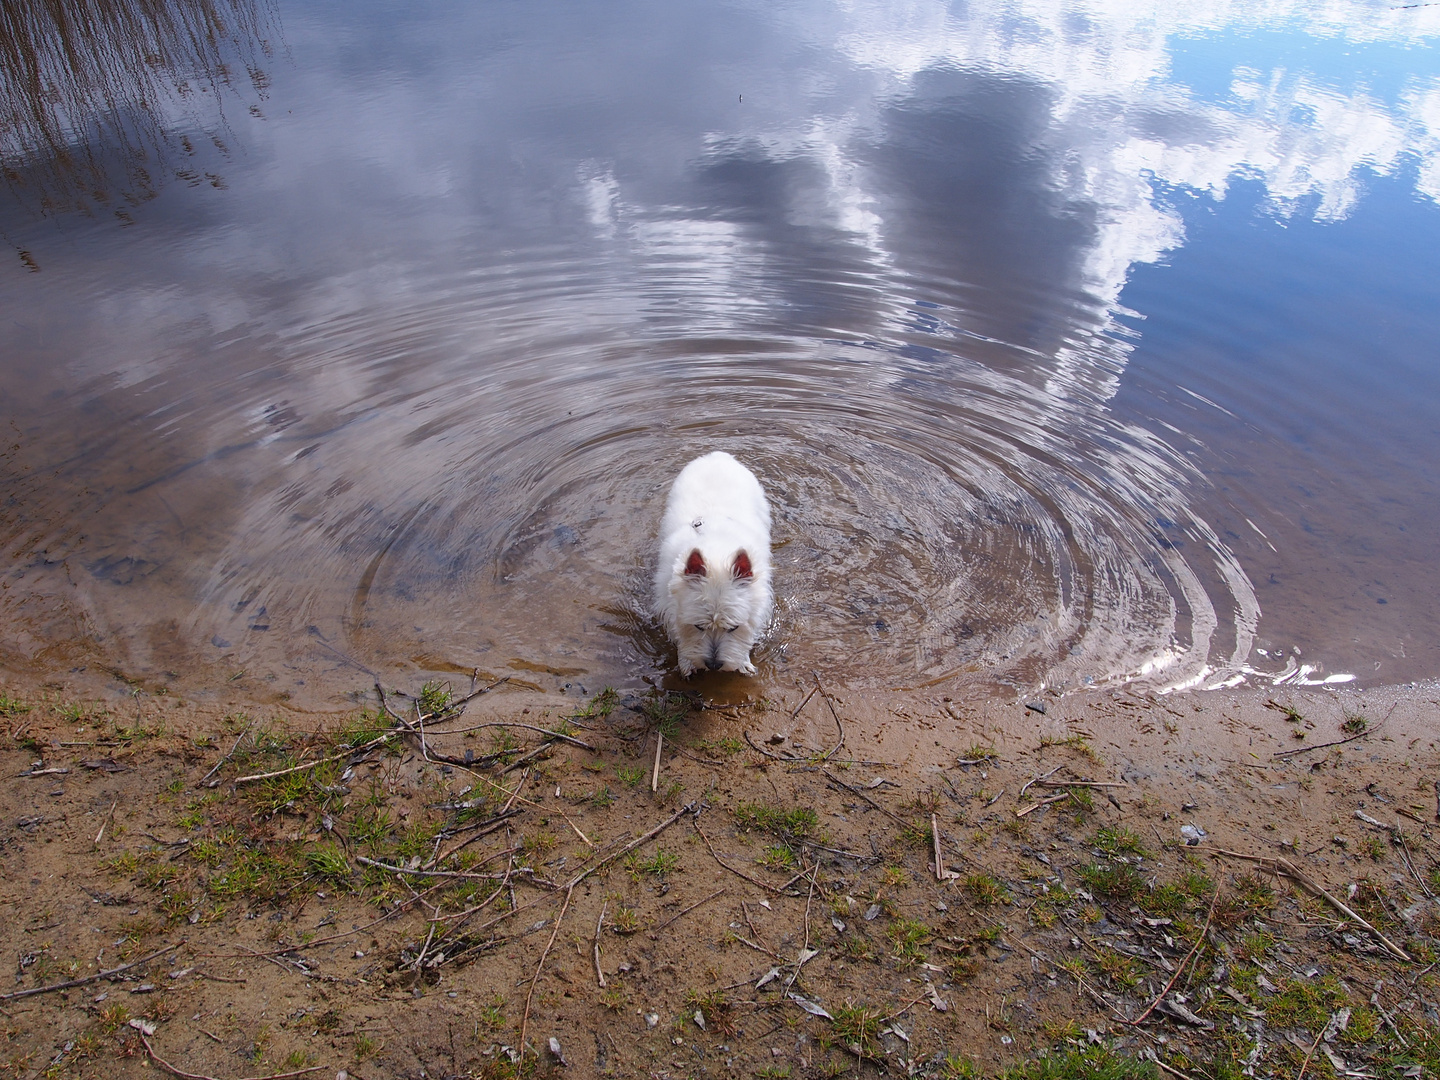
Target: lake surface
pixel 1074 342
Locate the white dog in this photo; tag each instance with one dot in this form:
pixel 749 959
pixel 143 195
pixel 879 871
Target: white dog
pixel 712 586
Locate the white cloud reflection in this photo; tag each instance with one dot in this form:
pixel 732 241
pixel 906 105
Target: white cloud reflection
pixel 1127 123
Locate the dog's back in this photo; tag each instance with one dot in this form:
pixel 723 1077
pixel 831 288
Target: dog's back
pixel 712 583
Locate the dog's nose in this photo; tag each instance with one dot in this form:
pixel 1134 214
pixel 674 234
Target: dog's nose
pixel 713 664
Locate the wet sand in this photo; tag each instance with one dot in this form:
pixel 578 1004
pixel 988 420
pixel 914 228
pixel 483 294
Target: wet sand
pixel 114 849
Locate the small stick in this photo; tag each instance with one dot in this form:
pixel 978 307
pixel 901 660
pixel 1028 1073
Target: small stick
pixel 754 932
pixel 1323 745
pixel 655 775
pixel 787 759
pixel 528 727
pixel 1100 783
pixel 935 839
pixel 418 872
pixel 1308 1055
pixel 485 829
pixel 88 979
pixel 525 1016
pixel 522 761
pixel 739 873
pixel 688 808
pixel 1171 1070
pixel 514 796
pixel 800 957
pixel 1199 941
pixel 1290 870
pixel 226 758
pixel 108 819
pixel 1042 802
pixel 856 791
pixel 802 704
pixel 318 761
pixel 831 706
pixel 595 949
pixel 165 1066
pixel 1037 780
pixel 687 911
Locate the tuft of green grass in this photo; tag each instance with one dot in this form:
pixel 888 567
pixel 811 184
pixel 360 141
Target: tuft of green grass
pixel 12 706
pixel 1305 1003
pixel 718 1011
pixel 1164 900
pixel 1115 880
pixel 434 697
pixel 600 706
pixel 856 1025
pixel 630 775
pixel 1354 724
pixel 790 824
pixel 329 864
pixel 1095 1063
pixel 986 890
pixel 1078 743
pixel 1118 840
pixel 906 937
pixel 658 865
pixel 665 709
pixel 776 857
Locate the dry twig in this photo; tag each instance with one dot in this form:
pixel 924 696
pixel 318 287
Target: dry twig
pixel 530 994
pixel 165 1066
pixel 676 917
pixel 1199 941
pixel 1290 870
pixel 88 979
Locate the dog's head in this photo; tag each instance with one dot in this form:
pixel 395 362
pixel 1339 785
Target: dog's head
pixel 719 606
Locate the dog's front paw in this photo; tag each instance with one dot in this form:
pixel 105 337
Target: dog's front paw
pixel 747 668
pixel 686 667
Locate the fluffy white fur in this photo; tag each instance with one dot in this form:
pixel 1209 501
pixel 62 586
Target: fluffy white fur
pixel 712 585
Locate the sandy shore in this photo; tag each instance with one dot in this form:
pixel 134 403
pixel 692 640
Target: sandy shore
pixel 1233 870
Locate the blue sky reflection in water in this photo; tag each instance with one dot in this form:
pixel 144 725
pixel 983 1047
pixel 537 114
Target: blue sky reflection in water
pixel 1074 342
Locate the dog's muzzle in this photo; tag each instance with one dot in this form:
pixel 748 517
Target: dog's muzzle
pixel 714 663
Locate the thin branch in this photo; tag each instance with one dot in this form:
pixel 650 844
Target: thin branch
pixel 530 994
pixel 88 979
pixel 595 948
pixel 318 761
pixel 831 705
pixel 738 873
pixel 226 758
pixel 676 917
pixel 165 1066
pixel 1199 941
pixel 856 791
pixel 1290 870
pixel 418 872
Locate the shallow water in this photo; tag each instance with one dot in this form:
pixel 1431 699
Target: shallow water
pixel 1073 342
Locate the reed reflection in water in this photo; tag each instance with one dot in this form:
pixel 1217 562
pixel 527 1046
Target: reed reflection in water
pixel 94 94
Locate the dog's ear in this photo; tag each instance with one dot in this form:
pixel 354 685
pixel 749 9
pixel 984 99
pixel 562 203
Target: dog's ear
pixel 743 569
pixel 695 564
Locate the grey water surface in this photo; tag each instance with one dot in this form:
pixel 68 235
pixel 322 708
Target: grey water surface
pixel 1075 341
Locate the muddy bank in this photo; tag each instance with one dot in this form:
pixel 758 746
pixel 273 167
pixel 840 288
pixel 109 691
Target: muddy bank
pixel 1208 881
